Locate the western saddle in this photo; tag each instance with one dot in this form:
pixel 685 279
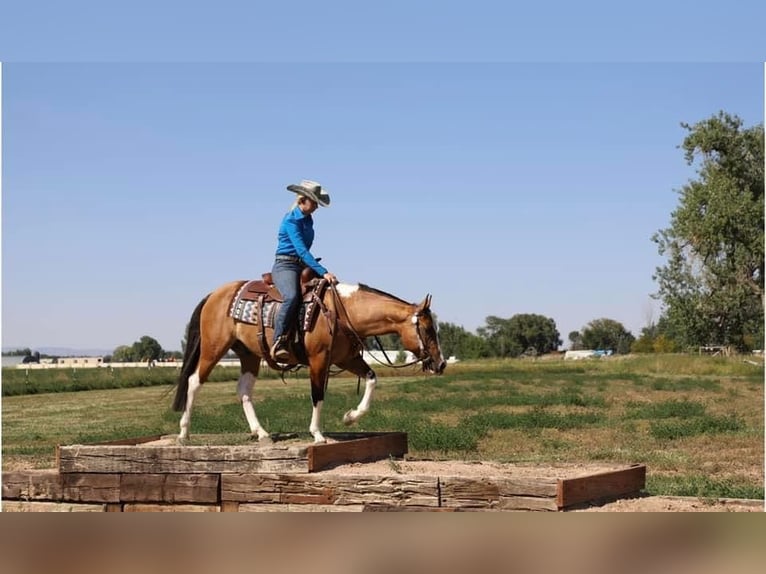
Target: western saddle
pixel 265 286
pixel 263 291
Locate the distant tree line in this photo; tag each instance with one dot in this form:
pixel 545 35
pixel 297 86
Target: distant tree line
pixel 146 350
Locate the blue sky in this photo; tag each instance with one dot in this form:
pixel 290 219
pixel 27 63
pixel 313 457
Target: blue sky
pixel 395 30
pixel 132 190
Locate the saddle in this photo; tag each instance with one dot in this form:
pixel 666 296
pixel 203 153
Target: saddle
pixel 259 294
pixel 254 289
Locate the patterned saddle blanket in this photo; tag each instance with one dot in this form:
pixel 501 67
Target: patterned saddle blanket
pixel 257 303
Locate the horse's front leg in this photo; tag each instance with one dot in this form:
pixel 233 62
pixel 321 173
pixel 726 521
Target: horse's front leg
pixel 360 368
pixel 364 405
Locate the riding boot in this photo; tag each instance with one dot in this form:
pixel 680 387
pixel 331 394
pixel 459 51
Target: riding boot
pixel 279 350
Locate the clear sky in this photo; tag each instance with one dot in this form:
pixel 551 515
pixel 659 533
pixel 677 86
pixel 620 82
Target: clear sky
pixel 132 190
pixel 506 157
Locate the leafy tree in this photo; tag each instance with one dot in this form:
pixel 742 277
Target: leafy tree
pixel 655 338
pixel 512 337
pixel 123 354
pixel 712 283
pixel 607 334
pixel 531 331
pixel 497 335
pixel 456 341
pixel 147 349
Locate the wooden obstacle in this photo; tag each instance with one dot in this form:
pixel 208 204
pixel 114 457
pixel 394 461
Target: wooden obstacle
pixel 155 474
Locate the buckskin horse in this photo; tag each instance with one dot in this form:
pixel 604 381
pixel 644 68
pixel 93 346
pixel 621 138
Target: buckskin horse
pixel 349 313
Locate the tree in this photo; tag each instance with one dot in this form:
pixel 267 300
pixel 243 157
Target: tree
pixel 607 334
pixel 496 334
pixel 123 354
pixel 456 341
pixel 655 338
pixel 528 330
pixel 147 349
pixel 712 283
pixel 512 337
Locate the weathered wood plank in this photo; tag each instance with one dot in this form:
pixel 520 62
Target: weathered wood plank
pixel 32 485
pixel 498 492
pixel 610 484
pixel 372 447
pixel 52 486
pixel 154 487
pixel 180 459
pixel 143 507
pixel 91 487
pixel 33 506
pixel 330 489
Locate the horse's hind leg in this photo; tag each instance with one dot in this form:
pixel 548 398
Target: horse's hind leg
pixel 250 365
pixel 210 354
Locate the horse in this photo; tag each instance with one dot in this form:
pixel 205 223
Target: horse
pixel 350 313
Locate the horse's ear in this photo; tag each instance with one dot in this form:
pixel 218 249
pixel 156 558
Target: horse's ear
pixel 425 304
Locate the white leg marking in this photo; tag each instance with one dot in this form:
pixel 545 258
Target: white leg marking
pixel 314 426
pixel 245 393
pixel 364 405
pixel 194 386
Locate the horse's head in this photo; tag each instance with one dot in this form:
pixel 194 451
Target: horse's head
pixel 421 339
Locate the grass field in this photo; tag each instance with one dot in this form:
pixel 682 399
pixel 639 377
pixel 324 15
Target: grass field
pixel 696 422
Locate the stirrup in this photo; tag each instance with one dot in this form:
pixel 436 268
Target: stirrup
pixel 279 351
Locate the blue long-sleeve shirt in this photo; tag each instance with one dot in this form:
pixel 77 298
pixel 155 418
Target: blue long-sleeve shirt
pixel 296 234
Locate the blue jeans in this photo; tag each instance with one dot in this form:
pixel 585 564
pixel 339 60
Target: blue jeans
pixel 287 278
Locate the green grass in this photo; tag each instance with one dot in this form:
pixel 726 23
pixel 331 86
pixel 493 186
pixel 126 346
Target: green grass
pixel 702 486
pixel 665 409
pixel 707 424
pixel 676 414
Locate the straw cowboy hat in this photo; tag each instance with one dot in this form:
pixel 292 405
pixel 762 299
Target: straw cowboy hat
pixel 312 190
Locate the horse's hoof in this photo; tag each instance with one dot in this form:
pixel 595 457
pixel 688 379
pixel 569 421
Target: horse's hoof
pixel 182 441
pixel 348 420
pixel 264 440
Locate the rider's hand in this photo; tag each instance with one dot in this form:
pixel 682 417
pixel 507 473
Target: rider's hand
pixel 330 277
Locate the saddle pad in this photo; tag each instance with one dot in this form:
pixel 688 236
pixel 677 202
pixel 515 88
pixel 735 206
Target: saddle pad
pixel 257 313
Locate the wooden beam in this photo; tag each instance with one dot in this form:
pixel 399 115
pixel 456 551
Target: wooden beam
pixel 180 459
pixel 602 485
pixel 329 489
pixel 156 487
pixel 371 447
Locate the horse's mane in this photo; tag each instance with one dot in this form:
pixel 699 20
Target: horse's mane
pixel 369 289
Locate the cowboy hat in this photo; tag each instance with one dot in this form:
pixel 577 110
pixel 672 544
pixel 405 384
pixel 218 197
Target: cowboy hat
pixel 312 190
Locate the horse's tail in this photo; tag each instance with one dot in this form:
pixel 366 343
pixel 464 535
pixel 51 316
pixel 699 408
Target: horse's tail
pixel 191 357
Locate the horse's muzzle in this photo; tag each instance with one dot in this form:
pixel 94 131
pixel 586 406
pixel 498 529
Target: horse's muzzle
pixel 431 367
